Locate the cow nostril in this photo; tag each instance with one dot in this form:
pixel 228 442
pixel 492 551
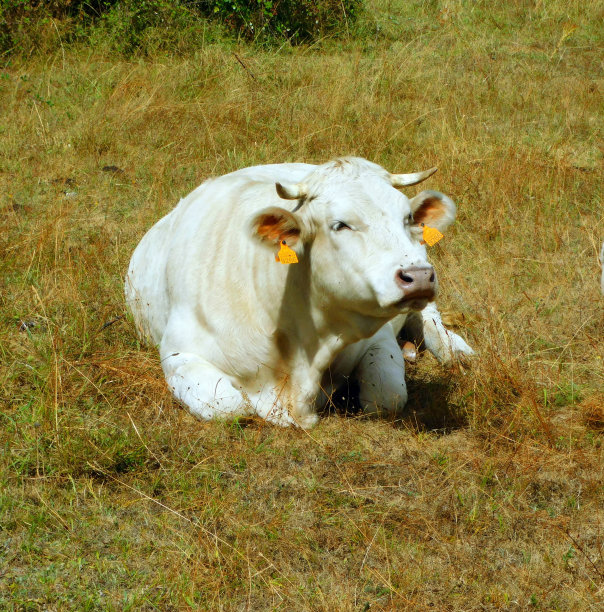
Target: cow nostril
pixel 405 277
pixel 432 277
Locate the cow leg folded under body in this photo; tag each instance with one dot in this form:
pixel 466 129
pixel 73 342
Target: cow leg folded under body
pixel 427 329
pixel 204 390
pixel 209 394
pixel 381 374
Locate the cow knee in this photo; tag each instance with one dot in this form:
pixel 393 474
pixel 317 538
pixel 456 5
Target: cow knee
pixel 381 401
pixel 382 388
pixel 381 377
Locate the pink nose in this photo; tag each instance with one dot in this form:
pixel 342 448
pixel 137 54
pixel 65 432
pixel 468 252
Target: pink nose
pixel 417 283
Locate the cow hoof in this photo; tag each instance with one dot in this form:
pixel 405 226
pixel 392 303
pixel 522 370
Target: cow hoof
pixel 455 349
pixel 308 421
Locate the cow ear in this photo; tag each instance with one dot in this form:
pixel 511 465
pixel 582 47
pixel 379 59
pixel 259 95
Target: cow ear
pixel 433 209
pixel 272 225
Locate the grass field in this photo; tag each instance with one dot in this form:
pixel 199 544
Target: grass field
pixel 489 495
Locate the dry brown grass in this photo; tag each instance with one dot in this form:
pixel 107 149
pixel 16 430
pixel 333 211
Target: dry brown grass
pixel 488 496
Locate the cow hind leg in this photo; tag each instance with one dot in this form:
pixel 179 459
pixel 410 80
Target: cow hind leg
pixel 208 394
pixel 381 375
pixel 202 388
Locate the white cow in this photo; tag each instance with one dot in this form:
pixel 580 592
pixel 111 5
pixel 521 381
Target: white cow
pixel 240 333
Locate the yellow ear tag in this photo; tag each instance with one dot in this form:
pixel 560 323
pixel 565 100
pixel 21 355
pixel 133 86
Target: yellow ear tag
pixel 431 235
pixel 286 255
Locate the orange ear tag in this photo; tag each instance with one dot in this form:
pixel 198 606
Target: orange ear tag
pixel 286 255
pixel 431 235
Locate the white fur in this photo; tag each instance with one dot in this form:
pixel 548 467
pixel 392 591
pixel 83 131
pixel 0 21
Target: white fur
pixel 239 333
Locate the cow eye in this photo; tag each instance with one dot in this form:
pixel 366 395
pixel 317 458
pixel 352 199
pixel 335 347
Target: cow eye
pixel 339 225
pixel 409 219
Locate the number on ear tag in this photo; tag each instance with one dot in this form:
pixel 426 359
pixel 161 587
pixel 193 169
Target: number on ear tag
pixel 286 255
pixel 431 235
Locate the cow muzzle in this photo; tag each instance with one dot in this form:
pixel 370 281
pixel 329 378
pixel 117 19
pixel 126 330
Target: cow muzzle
pixel 418 285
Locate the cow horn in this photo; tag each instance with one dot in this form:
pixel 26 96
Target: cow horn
pixel 294 191
pixel 404 180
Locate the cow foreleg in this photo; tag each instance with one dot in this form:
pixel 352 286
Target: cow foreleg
pixel 427 328
pixel 381 374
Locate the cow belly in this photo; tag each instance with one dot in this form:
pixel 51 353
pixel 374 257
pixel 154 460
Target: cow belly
pixel 146 284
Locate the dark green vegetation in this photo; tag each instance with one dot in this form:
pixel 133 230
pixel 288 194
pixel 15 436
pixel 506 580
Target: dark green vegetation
pixel 148 26
pixel 489 496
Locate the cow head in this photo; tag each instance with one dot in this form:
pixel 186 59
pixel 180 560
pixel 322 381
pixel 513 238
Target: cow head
pixel 360 235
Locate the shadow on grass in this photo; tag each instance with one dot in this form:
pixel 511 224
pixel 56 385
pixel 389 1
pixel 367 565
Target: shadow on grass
pixel 430 404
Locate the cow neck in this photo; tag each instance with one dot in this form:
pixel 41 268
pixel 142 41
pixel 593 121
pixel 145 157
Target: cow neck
pixel 317 329
pixel 350 326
